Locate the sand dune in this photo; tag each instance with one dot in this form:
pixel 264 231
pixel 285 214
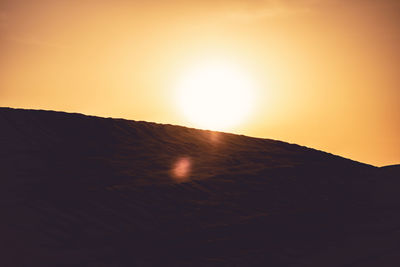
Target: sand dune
pixel 88 191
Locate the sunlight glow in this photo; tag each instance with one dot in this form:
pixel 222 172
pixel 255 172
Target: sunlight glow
pixel 216 95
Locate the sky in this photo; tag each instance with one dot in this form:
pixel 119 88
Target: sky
pixel 327 71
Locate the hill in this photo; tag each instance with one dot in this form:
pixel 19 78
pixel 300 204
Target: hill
pixel 88 191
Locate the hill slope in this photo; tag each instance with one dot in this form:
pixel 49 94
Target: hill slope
pixel 89 191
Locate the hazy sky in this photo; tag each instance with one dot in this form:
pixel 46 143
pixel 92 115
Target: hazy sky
pixel 328 70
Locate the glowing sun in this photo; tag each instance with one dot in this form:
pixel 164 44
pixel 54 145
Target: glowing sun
pixel 216 95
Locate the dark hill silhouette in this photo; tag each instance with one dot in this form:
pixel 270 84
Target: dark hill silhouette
pixel 88 191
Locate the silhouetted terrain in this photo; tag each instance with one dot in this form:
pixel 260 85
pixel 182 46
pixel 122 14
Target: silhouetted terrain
pixel 87 191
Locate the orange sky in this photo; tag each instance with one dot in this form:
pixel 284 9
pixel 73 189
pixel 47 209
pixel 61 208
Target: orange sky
pixel 328 70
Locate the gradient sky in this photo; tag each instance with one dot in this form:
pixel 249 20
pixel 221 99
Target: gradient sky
pixel 328 70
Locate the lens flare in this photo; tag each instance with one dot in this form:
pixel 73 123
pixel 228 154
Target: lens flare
pixel 181 169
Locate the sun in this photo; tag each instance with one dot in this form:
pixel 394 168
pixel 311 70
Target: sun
pixel 216 95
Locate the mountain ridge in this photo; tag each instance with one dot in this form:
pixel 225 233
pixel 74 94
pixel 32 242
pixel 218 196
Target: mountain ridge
pixel 9 109
pixel 91 191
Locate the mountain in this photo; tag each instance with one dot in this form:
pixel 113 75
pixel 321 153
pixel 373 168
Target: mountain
pixel 88 191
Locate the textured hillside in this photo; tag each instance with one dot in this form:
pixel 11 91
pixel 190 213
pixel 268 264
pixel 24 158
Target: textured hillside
pixel 89 191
